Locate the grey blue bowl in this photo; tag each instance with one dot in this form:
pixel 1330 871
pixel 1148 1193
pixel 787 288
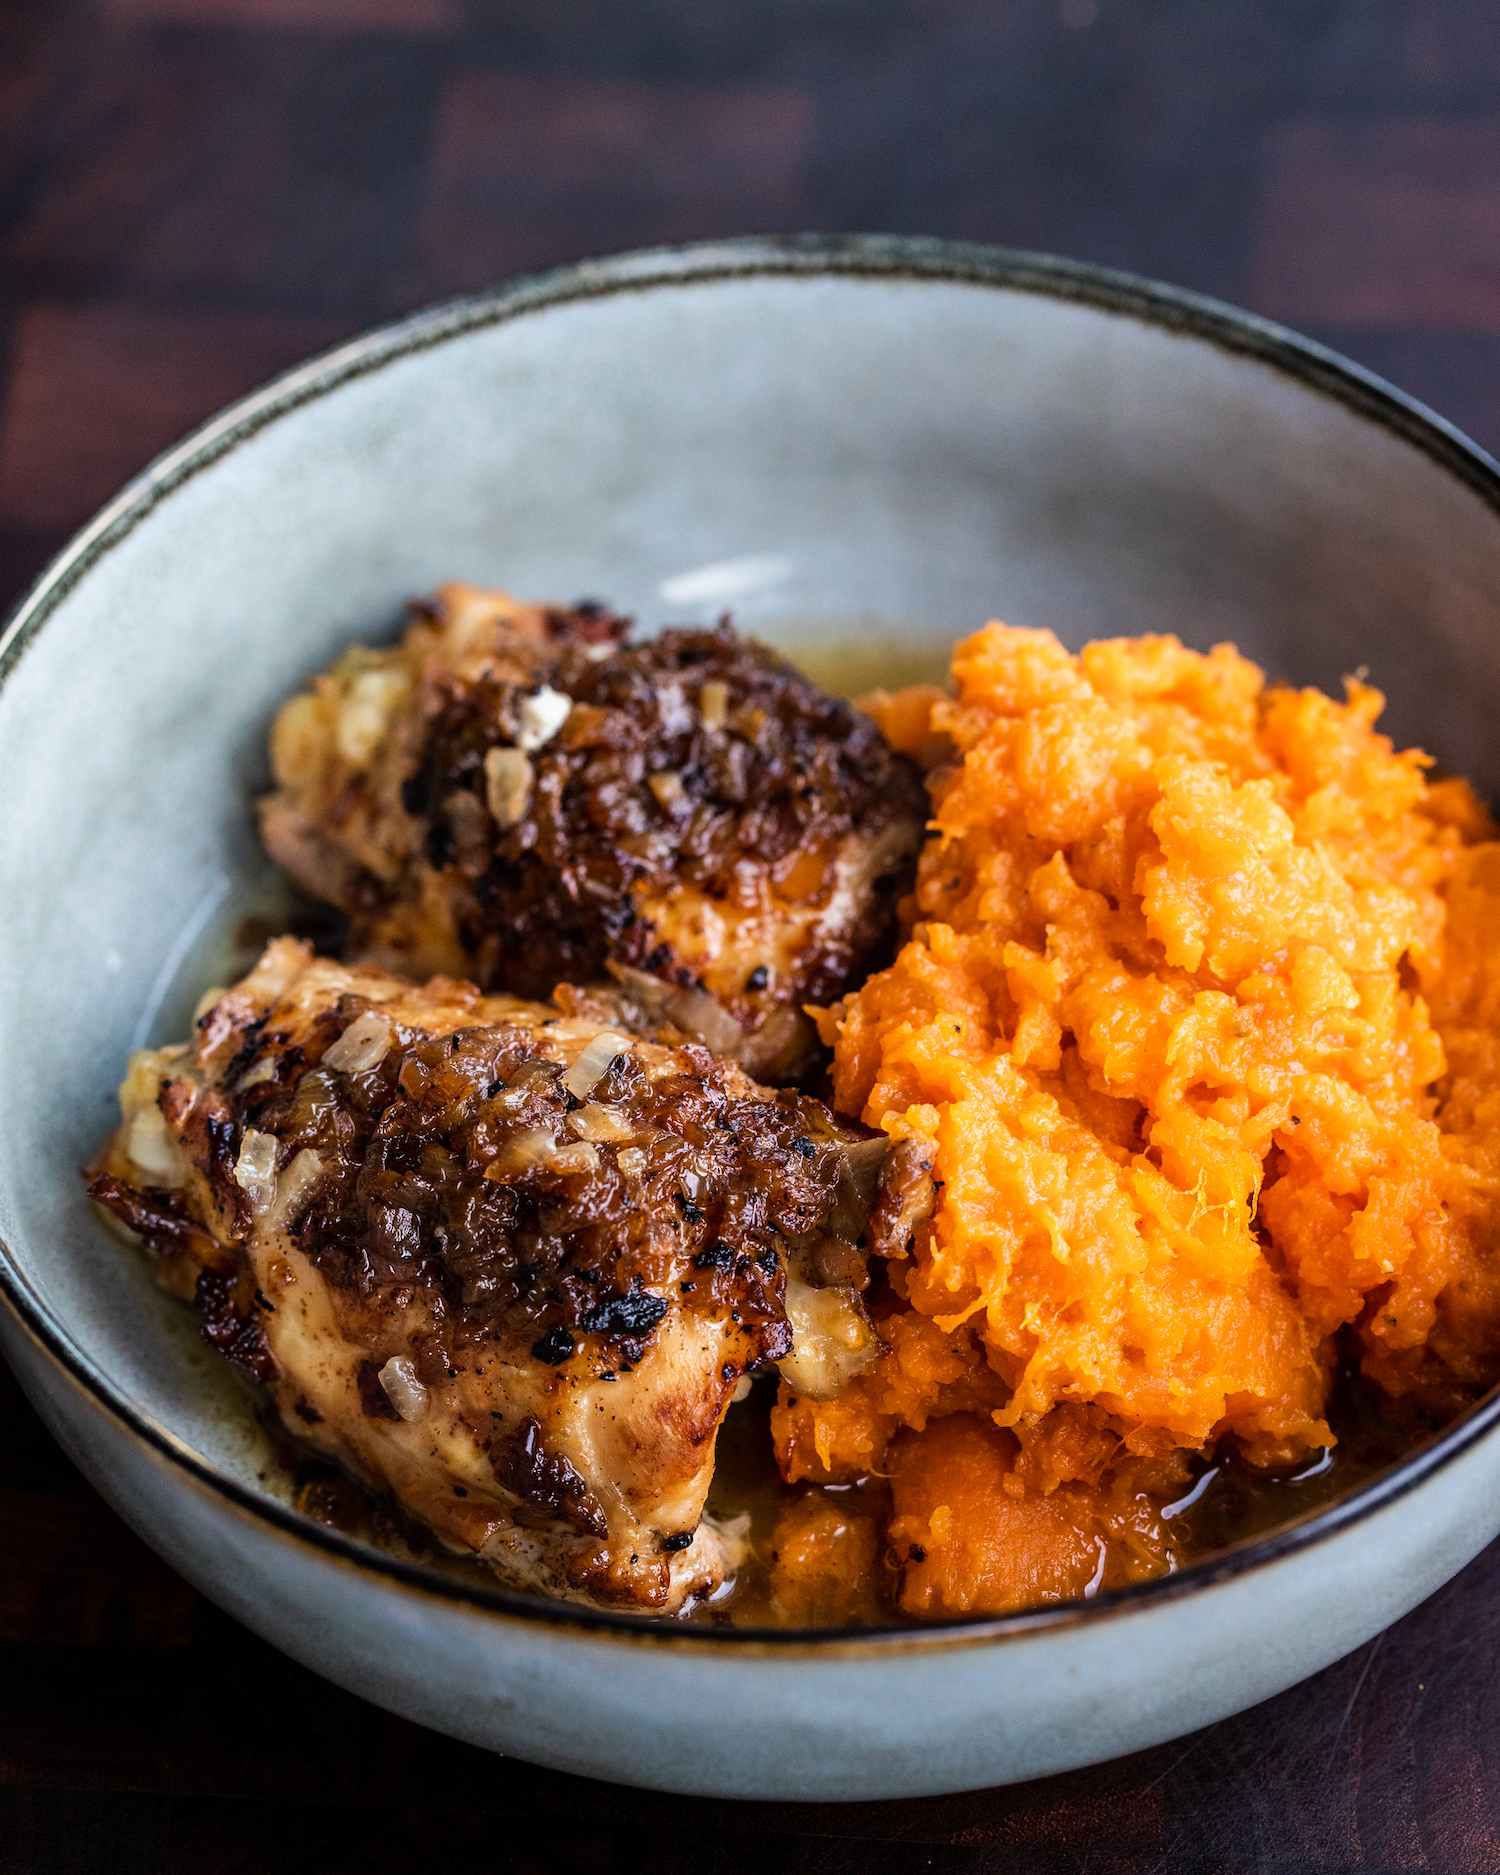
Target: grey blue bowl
pixel 865 448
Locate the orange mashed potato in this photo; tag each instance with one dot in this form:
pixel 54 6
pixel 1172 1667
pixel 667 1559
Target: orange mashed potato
pixel 1196 1025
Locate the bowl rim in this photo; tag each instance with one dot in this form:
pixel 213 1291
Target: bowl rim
pixel 857 257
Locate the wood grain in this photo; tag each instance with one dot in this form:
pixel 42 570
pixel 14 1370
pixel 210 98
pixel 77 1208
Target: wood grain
pixel 195 192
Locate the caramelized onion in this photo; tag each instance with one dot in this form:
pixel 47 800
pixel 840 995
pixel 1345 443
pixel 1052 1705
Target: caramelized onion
pixel 713 704
pixel 697 1014
pixel 602 1122
pixel 294 1188
pixel 666 785
pixel 255 1169
pixel 832 1340
pixel 364 711
pixel 403 1389
pixel 153 1146
pixel 362 1046
pixel 507 785
pixel 579 1157
pixel 535 1147
pixel 542 716
pixel 591 1066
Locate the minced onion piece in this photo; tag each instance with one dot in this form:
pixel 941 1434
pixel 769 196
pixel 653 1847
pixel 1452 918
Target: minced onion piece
pixel 632 1161
pixel 713 705
pixel 832 1339
pixel 516 1095
pixel 650 992
pixel 674 714
pixel 666 785
pixel 697 1014
pixel 542 716
pixel 579 1157
pixel 600 1121
pixel 362 1046
pixel 534 1147
pixel 469 824
pixel 262 1071
pixel 364 712
pixel 592 1065
pixel 255 1169
pixel 153 1146
pixel 863 1159
pixel 294 1188
pixel 507 785
pixel 403 1389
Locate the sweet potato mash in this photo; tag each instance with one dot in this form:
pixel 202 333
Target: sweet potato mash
pixel 1191 1051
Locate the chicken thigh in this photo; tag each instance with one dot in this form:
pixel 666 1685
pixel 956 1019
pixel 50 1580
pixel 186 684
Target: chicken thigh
pixel 506 1261
pixel 515 794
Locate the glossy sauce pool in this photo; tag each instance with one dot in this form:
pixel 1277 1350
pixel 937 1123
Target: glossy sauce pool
pixel 1227 1501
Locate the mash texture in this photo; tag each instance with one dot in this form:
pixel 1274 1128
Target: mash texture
pixel 1196 1024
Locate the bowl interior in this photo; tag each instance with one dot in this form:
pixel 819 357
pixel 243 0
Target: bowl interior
pixel 860 468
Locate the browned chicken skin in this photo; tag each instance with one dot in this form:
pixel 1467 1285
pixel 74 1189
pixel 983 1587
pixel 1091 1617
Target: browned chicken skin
pixel 515 794
pixel 506 1261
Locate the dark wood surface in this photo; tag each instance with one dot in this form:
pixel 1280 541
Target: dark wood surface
pixel 194 193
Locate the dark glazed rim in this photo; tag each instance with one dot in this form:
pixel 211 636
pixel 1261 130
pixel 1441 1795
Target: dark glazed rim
pixel 869 257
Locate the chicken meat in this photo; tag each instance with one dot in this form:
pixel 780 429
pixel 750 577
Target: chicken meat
pixel 505 1261
pixel 517 794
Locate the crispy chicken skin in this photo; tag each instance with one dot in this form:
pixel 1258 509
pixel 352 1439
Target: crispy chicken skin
pixel 514 793
pixel 504 1260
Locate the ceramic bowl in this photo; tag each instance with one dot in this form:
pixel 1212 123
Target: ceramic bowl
pixel 864 448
